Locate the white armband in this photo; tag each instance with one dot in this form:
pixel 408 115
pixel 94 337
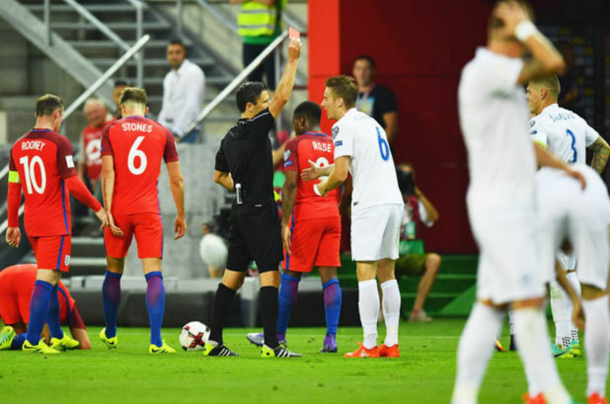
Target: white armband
pixel 524 30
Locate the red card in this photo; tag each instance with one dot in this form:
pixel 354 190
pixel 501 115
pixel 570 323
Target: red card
pixel 293 33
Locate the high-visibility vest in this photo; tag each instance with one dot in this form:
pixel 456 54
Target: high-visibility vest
pixel 257 19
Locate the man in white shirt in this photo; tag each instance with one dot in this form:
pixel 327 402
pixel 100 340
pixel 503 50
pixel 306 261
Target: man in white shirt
pixel 567 136
pixel 361 148
pixel 501 202
pixel 183 94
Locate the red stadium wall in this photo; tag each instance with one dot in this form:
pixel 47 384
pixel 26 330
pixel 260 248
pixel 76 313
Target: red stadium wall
pixel 420 49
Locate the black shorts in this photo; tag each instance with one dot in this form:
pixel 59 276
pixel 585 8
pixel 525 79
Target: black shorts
pixel 255 235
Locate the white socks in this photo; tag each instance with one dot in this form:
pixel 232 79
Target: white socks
pixel 475 350
pixel 561 305
pixel 597 340
pixel 391 311
pixel 532 336
pixel 573 279
pixel 368 306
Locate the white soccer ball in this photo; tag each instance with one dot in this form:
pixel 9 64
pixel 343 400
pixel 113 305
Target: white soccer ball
pixel 194 336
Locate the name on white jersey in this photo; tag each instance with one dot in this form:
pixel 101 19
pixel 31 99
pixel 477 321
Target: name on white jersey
pixel 32 145
pixel 324 147
pixel 136 127
pixel 562 116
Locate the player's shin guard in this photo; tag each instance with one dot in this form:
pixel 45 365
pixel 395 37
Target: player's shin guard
pixel 391 311
pixel 597 340
pixel 222 303
pixel 532 334
pixel 269 308
pixel 111 292
pixel 39 310
pixel 368 306
pixel 53 316
pixel 474 351
pixel 575 283
pixel 287 297
pixel 332 304
pixel 561 306
pixel 155 303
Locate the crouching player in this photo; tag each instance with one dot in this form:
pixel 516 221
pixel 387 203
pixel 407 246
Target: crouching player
pixel 583 216
pixel 16 286
pixel 311 225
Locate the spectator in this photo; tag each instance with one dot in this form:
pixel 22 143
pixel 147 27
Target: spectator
pixel 119 86
pixel 570 96
pixel 183 94
pixel 260 23
pixel 213 251
pixel 90 157
pixel 413 261
pixel 375 100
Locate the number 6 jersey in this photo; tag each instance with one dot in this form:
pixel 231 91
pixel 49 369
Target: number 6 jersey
pixel 138 146
pixel 40 161
pixel 565 133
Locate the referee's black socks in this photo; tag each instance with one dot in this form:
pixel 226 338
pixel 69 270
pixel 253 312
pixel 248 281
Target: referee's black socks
pixel 222 303
pixel 269 308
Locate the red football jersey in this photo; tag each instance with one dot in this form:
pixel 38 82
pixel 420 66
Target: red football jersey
pixel 138 146
pixel 43 160
pixel 91 143
pixel 17 282
pixel 320 149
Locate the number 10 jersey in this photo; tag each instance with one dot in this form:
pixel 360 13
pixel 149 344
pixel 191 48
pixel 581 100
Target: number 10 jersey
pixel 138 146
pixel 40 161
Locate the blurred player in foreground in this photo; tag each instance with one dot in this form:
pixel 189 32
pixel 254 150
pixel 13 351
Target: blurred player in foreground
pixel 132 151
pixel 311 225
pixel 41 161
pixel 501 202
pixel 16 286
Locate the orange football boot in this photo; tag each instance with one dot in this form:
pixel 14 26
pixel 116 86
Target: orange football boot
pixel 596 399
pixel 362 352
pixel 389 351
pixel 539 399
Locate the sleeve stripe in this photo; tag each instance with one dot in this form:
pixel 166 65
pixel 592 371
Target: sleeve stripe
pixel 13 176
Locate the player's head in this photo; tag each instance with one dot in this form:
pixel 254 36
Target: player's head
pixel 50 108
pixel 542 93
pixel 176 53
pixel 364 70
pixel 502 41
pixel 119 86
pixel 95 111
pixel 339 96
pixel 134 102
pixel 306 117
pixel 252 97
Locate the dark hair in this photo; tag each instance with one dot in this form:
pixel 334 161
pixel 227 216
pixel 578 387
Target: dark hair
pixel 177 42
pixel 133 94
pixel 344 87
pixel 47 104
pixel 496 23
pixel 122 83
pixel 368 59
pixel 250 91
pixel 310 111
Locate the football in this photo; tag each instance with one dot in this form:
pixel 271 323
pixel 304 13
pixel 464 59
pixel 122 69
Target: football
pixel 194 336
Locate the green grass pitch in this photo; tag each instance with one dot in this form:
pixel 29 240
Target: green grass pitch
pixel 424 374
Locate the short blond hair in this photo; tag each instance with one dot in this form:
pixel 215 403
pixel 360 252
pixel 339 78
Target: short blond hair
pixel 550 84
pixel 344 87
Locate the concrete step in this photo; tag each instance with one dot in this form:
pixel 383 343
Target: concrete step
pixel 105 63
pixel 94 8
pixel 214 80
pixel 108 44
pixel 115 26
pixel 88 247
pixel 82 266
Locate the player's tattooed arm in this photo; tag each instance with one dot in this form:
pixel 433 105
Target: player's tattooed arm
pixel 601 154
pixel 289 193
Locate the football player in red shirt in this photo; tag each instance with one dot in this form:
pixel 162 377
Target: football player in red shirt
pixel 311 225
pixel 41 162
pixel 132 151
pixel 16 286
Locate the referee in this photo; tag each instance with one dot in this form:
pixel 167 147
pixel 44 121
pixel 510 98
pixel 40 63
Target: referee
pixel 244 165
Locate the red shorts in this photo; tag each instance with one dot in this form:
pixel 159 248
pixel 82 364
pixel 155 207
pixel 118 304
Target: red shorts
pixel 52 252
pixel 314 241
pixel 148 229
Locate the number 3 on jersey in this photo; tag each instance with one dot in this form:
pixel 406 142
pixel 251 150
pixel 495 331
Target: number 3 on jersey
pixel 30 174
pixel 571 134
pixel 384 148
pixel 133 153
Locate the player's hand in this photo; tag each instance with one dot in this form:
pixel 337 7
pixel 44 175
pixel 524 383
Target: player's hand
pixel 322 188
pixel 512 13
pixel 179 227
pixel 101 214
pixel 578 315
pixel 13 236
pixel 294 50
pixel 577 175
pixel 286 235
pixel 114 229
pixel 311 173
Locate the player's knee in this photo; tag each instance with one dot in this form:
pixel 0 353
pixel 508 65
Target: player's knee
pixel 433 262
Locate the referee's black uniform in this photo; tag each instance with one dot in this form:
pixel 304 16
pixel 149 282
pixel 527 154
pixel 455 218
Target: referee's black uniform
pixel 245 152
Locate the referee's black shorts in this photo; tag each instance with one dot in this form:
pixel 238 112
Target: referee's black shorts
pixel 255 235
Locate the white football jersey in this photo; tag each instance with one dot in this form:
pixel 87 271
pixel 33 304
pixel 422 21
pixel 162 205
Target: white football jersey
pixel 493 117
pixel 360 137
pixel 565 133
